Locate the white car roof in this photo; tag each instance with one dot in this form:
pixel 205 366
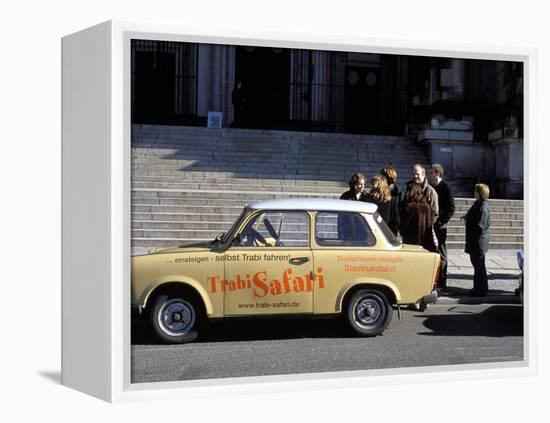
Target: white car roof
pixel 314 204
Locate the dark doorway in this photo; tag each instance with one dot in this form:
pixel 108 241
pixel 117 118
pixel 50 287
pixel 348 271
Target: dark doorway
pixel 265 77
pixel 362 100
pixel 154 100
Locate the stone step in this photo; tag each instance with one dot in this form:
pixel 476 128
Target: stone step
pixel 293 179
pixel 494 237
pixel 219 225
pixel 495 215
pixel 225 181
pixel 201 142
pixel 213 179
pixel 205 185
pixel 246 196
pixel 337 173
pixel 251 196
pixel 153 199
pixel 266 171
pixel 179 134
pixel 174 210
pixel 230 215
pixel 209 199
pixel 518 230
pixel 366 150
pixel 321 153
pixel 177 185
pixel 459 245
pixel 303 155
pixel 492 201
pixel 463 208
pixel 305 149
pixel 371 167
pixel 184 174
pixel 160 133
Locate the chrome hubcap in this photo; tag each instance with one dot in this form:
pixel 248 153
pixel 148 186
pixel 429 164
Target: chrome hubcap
pixel 369 311
pixel 176 317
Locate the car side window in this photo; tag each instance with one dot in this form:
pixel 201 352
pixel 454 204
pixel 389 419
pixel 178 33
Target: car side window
pixel 343 229
pixel 276 229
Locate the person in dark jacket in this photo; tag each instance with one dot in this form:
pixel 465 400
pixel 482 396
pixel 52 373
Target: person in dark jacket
pixel 348 226
pixel 356 189
pixel 380 195
pixel 417 218
pixel 478 222
pixel 446 203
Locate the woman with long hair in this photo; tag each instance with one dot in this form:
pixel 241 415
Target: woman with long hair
pixel 380 195
pixel 391 178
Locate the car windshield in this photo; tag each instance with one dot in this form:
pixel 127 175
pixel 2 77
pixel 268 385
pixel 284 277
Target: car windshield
pixel 231 231
pixel 390 236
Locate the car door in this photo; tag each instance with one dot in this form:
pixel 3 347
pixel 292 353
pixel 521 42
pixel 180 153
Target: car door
pixel 345 251
pixel 268 268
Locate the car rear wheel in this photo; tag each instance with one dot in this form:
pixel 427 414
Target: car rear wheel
pixel 175 320
pixel 368 312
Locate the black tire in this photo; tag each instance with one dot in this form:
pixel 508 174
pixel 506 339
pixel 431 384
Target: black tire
pixel 368 312
pixel 174 319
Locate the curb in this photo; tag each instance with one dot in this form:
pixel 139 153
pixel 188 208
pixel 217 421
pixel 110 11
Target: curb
pixel 488 299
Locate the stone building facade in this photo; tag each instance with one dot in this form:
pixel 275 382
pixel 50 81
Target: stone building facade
pixel 467 113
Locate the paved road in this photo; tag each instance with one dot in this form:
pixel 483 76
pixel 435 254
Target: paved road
pixel 445 334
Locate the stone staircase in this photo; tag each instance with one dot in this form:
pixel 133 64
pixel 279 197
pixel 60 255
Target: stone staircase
pixel 191 183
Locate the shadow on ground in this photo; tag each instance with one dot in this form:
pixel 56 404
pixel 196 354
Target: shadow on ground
pixel 256 329
pixel 494 296
pixel 490 276
pixel 495 321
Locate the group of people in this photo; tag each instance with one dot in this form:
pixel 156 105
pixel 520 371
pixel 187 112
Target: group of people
pixel 421 213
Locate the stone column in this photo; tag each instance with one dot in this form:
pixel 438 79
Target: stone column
pixel 216 74
pixel 508 163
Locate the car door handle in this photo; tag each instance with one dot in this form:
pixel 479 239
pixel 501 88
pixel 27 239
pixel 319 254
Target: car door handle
pixel 299 260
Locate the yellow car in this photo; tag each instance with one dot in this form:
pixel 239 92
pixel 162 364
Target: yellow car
pixel 312 257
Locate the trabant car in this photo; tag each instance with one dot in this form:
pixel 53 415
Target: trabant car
pixel 312 257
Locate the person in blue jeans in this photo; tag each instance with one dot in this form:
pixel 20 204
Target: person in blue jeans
pixel 478 223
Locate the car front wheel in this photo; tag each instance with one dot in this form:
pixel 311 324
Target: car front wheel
pixel 368 312
pixel 175 319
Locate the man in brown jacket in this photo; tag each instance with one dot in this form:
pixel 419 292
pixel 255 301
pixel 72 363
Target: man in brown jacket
pixel 419 176
pixel 419 182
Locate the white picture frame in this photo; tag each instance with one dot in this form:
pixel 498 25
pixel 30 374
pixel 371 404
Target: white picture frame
pixel 96 160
